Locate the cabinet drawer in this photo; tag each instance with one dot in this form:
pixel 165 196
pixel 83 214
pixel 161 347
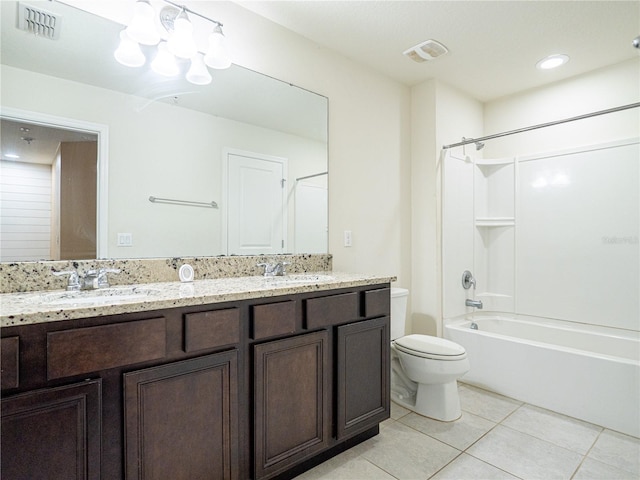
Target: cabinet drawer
pixel 377 303
pixel 10 348
pixel 332 310
pixel 90 349
pixel 211 329
pixel 273 319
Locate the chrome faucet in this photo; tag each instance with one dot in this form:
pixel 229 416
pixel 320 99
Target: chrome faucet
pixel 91 280
pixel 94 279
pixel 277 269
pixel 73 283
pixel 473 303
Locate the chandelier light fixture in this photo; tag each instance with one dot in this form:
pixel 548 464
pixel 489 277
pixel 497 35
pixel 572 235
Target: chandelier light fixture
pixel 173 33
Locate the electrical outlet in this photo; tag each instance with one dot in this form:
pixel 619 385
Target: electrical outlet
pixel 347 238
pixel 125 240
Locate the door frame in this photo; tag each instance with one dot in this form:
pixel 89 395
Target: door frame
pixel 224 218
pixel 102 186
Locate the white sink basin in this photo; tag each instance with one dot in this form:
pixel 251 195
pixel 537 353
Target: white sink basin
pixel 301 278
pixel 101 296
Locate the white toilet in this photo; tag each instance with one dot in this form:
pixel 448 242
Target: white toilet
pixel 424 369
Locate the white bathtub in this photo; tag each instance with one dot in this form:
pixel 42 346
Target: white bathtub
pixel 587 372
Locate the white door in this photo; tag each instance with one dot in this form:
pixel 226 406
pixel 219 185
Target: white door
pixel 311 218
pixel 256 204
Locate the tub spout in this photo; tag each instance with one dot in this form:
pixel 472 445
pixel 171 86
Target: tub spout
pixel 473 303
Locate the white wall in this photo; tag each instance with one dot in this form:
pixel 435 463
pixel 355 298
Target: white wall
pixel 598 90
pixel 440 115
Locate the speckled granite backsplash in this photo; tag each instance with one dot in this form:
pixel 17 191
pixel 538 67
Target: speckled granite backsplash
pixel 33 276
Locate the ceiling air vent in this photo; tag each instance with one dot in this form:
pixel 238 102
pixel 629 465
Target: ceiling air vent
pixel 39 21
pixel 425 51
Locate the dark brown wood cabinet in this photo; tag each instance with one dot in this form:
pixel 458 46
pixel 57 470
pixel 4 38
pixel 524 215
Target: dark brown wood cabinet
pixel 53 433
pixel 362 360
pixel 181 420
pixel 292 401
pixel 249 389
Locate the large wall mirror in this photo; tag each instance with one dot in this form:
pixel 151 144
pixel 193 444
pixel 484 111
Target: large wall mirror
pixel 168 168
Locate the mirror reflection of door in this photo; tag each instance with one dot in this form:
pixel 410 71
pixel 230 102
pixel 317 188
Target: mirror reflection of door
pixel 48 193
pixel 75 210
pixel 311 217
pixel 256 204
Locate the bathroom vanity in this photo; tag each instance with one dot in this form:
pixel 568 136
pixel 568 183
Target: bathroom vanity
pixel 228 379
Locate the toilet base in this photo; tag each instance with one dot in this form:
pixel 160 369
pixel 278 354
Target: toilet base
pixel 439 402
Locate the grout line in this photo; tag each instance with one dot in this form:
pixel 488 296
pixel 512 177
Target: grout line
pixel 494 466
pixel 447 464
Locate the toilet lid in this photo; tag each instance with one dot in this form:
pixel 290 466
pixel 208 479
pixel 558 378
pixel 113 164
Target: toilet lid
pixel 430 347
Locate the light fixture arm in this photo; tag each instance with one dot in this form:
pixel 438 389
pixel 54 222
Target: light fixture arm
pixel 186 9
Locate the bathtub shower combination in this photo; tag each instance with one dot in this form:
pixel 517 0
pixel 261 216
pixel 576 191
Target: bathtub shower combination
pixel 552 241
pixel 587 372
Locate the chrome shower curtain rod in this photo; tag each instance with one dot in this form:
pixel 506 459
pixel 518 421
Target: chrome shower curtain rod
pixel 311 176
pixel 467 141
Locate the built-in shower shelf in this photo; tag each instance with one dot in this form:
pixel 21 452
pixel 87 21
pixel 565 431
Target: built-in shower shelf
pixel 495 221
pixel 494 161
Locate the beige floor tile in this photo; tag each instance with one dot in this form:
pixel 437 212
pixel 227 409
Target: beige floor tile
pixel 459 434
pixel 398 411
pixel 525 456
pixel 346 466
pixel 406 453
pixel 466 467
pixel 618 450
pixel 553 427
pixel 486 404
pixel 594 470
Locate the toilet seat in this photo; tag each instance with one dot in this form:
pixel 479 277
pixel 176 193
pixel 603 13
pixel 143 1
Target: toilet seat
pixel 427 346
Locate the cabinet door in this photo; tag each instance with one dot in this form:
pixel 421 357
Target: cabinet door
pixel 181 420
pixel 291 389
pixel 53 433
pixel 363 376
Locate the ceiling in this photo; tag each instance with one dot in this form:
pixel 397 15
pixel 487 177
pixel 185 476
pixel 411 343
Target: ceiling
pixel 493 45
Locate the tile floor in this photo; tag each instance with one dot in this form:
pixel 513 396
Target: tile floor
pixel 496 438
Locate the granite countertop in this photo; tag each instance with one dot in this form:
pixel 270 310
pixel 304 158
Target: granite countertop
pixel 55 305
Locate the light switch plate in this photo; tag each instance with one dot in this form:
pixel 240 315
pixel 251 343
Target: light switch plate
pixel 125 240
pixel 347 238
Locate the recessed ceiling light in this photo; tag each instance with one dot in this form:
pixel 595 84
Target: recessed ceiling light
pixel 552 61
pixel 12 156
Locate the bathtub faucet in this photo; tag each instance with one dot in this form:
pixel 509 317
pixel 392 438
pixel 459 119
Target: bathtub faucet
pixel 473 303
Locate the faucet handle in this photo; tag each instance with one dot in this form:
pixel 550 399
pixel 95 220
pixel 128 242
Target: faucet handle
pixel 74 279
pixel 269 268
pixel 103 281
pixel 283 267
pixel 467 280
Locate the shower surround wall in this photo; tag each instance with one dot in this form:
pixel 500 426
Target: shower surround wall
pixel 551 235
pixel 512 220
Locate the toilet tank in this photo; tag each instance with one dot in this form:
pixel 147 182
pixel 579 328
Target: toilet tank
pixel 398 312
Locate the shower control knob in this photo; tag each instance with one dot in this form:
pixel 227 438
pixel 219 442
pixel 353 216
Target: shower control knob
pixel 467 280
